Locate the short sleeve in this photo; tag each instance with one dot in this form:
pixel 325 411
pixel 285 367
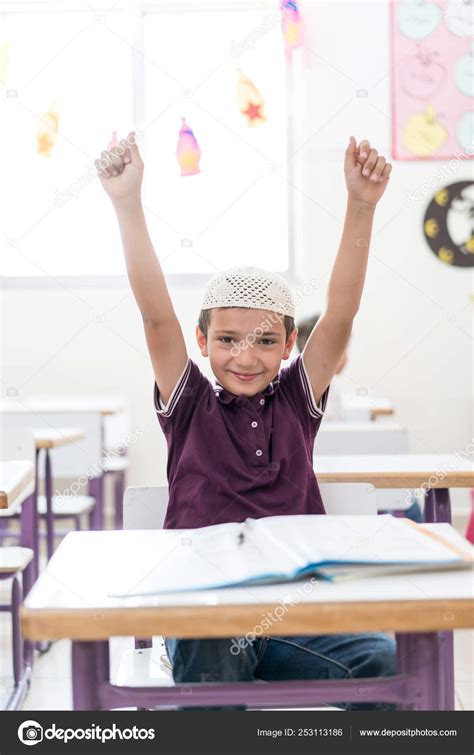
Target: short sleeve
pixel 179 410
pixel 296 385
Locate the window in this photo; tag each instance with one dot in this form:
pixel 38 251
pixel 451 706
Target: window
pixel 59 221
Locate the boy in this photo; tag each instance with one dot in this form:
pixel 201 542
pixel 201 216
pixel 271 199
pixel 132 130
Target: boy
pixel 334 409
pixel 244 449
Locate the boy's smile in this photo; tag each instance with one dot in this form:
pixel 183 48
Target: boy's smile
pixel 245 348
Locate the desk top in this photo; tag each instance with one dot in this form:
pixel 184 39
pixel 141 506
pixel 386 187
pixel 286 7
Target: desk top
pixel 17 481
pixel 104 405
pixel 55 437
pixel 397 470
pixel 70 600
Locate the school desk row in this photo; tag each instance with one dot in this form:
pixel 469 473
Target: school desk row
pixel 52 611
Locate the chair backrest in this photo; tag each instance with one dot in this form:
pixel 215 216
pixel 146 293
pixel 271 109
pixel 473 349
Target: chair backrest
pixel 144 508
pixel 361 438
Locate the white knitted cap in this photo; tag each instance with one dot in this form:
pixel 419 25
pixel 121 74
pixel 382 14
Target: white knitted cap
pixel 249 287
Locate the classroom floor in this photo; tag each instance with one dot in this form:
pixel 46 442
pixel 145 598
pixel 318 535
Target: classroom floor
pixel 50 687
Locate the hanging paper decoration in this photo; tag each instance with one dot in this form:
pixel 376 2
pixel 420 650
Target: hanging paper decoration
pixel 188 151
pixel 113 142
pixel 4 61
pixel 250 102
pixel 47 132
pixel 291 26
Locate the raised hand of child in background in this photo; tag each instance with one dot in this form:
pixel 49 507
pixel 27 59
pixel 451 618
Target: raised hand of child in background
pixel 120 170
pixel 366 172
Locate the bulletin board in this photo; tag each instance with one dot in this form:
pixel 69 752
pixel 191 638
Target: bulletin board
pixel 432 57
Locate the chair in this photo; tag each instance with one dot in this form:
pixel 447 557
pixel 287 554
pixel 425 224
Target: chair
pixel 18 564
pixel 147 665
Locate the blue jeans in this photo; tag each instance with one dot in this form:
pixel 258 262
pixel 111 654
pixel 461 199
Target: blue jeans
pixel 339 656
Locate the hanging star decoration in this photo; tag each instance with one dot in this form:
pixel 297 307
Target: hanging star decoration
pixel 250 102
pixel 47 132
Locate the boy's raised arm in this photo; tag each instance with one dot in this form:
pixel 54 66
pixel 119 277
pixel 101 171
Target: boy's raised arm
pixel 121 172
pixel 366 175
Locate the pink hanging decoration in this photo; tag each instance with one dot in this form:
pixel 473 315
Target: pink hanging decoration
pixel 113 142
pixel 47 132
pixel 188 151
pixel 291 26
pixel 250 102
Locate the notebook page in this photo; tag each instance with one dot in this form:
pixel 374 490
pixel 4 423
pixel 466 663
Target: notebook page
pixel 370 539
pixel 208 557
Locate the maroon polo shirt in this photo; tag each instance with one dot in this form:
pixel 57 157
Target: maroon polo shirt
pixel 232 457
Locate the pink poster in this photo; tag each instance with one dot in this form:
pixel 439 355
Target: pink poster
pixel 432 79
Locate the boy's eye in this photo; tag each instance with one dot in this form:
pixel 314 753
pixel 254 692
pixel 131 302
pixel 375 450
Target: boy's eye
pixel 268 341
pixel 225 339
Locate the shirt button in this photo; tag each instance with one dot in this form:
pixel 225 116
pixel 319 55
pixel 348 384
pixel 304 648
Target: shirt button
pixel 254 424
pixel 258 452
pixel 262 401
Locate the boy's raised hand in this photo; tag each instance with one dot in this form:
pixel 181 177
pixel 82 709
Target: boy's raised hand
pixel 367 173
pixel 121 170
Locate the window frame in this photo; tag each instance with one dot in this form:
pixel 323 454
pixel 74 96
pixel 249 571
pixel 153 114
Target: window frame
pixel 138 10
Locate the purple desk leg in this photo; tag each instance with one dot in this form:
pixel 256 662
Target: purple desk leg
pixel 89 668
pixel 48 489
pixel 96 489
pixel 437 505
pixel 30 539
pixel 426 655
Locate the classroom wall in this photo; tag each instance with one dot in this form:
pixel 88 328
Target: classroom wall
pixel 412 339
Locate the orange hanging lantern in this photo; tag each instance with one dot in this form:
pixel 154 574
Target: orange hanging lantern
pixel 250 102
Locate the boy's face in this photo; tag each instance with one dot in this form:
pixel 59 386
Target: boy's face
pixel 245 348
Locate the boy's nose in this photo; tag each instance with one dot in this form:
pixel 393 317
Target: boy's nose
pixel 245 358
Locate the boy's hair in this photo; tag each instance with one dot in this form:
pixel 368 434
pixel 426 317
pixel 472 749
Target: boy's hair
pixel 205 320
pixel 305 328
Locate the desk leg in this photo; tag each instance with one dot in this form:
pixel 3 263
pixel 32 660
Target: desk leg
pixel 96 489
pixel 48 490
pixel 30 539
pixel 437 505
pixel 426 656
pixel 90 668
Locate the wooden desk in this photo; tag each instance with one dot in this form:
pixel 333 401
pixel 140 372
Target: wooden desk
pixel 18 487
pixel 56 437
pixel 109 413
pixel 46 439
pixel 377 407
pixel 433 473
pixel 105 405
pixel 17 482
pixel 70 600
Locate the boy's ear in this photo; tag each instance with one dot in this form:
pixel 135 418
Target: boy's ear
pixel 290 343
pixel 201 341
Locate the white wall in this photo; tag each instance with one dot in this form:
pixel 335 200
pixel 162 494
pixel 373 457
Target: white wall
pixel 413 336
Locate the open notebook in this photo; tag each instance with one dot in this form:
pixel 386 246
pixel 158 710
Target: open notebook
pixel 282 548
